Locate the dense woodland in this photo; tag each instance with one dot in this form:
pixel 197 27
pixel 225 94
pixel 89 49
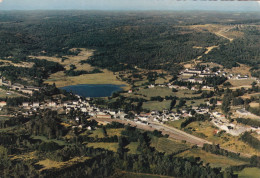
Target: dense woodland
pixel 125 40
pixel 121 40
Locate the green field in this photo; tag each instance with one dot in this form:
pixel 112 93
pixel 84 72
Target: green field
pixel 212 159
pixel 132 147
pixel 165 91
pixel 175 124
pixel 108 146
pixel 249 173
pixel 157 91
pixel 195 102
pixel 45 139
pixel 168 146
pixel 9 94
pixel 156 105
pixel 110 132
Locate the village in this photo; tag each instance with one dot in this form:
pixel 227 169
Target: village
pixel 195 76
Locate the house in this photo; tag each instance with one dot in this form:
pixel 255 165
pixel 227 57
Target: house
pixel 130 91
pixel 189 74
pixel 194 89
pixel 103 116
pixel 242 112
pixel 52 104
pixel 207 87
pixel 2 103
pixel 36 104
pixel 219 103
pixel 193 71
pixel 33 88
pixel 183 88
pixel 151 86
pixel 25 104
pixel 27 91
pixel 242 77
pixel 207 75
pixel 143 118
pixel 83 109
pixel 197 80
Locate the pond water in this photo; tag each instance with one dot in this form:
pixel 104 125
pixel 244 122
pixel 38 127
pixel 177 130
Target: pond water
pixel 91 90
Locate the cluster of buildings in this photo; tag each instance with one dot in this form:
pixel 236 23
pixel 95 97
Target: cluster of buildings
pixel 196 75
pixel 80 105
pixel 19 87
pixel 166 115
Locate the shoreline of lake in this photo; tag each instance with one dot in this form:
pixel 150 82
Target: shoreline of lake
pixel 94 90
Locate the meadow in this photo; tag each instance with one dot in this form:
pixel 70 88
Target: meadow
pixel 212 159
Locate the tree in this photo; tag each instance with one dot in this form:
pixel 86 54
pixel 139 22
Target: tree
pixel 104 130
pixel 173 102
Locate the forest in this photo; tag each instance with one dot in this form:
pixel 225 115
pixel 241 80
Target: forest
pixel 121 41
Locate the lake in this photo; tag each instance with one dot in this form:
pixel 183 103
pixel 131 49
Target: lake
pixel 91 90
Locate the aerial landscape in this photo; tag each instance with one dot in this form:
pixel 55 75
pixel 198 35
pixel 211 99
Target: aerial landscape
pixel 129 91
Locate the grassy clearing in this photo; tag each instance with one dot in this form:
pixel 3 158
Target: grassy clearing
pixel 248 96
pixel 132 148
pixel 249 172
pixel 61 80
pixel 157 91
pixel 235 144
pixel 167 145
pixel 141 82
pixel 49 164
pixel 254 104
pixel 45 139
pixel 7 129
pixel 212 159
pixel 165 91
pixel 163 80
pixel 25 157
pixel 175 124
pixel 9 94
pixel 4 118
pixel 241 83
pixel 107 77
pixel 156 105
pixel 83 55
pixel 186 94
pixel 108 146
pixel 205 128
pixel 20 64
pixel 225 140
pixel 195 102
pixel 110 132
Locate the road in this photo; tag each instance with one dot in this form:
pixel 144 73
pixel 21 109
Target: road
pixel 172 132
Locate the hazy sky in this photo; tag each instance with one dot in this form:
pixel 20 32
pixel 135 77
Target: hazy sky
pixel 130 5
